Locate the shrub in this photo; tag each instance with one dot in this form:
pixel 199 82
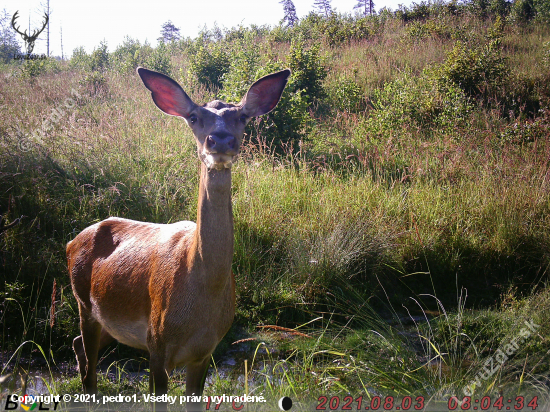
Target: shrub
pixel 417 102
pixel 500 7
pixel 281 34
pixel 124 58
pixel 287 125
pixel 290 121
pixel 209 64
pixel 419 30
pixel 308 70
pixel 479 7
pixel 94 82
pixel 475 70
pixel 522 11
pixel 542 8
pixel 418 11
pixel 346 95
pixel 99 59
pixel 80 59
pixel 241 73
pixel 33 68
pixel 546 54
pixel 159 59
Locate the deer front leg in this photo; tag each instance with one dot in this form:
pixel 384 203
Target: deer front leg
pixel 158 380
pixel 78 348
pixel 194 385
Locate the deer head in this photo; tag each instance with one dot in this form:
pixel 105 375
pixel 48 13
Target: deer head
pixel 29 40
pixel 218 127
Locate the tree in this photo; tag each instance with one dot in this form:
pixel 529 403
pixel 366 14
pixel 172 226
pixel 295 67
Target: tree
pixel 366 7
pixel 47 11
pixel 169 33
pixel 324 7
pixel 8 39
pixel 290 13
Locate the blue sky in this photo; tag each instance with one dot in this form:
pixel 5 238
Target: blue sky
pixel 88 23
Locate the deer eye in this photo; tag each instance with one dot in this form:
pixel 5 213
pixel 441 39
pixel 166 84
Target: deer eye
pixel 243 118
pixel 193 119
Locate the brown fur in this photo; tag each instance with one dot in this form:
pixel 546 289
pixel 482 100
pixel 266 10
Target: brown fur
pixel 168 288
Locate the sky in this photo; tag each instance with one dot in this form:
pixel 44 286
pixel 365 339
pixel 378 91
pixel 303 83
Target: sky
pixel 88 23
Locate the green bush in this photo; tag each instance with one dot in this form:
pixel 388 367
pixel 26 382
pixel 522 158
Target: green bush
pixel 124 58
pixel 419 30
pixel 479 7
pixel 80 59
pixel 336 30
pixel 522 11
pixel 476 70
pixel 346 95
pixel 290 121
pixel 500 7
pixel 241 73
pixel 99 59
pixel 418 11
pixel 159 59
pixel 33 68
pixel 281 34
pixel 308 69
pixel 542 8
pixel 209 64
pixel 546 54
pixel 418 103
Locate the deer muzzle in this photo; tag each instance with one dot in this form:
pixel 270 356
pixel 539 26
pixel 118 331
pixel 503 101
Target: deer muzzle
pixel 220 151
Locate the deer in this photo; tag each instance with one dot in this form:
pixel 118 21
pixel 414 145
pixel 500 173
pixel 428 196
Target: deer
pixel 169 288
pixel 29 40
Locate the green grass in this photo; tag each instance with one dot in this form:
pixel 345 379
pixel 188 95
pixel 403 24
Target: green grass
pixel 422 189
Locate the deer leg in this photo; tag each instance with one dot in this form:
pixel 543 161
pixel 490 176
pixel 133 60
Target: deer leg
pixel 158 380
pixel 78 347
pixel 86 347
pixel 91 333
pixel 194 386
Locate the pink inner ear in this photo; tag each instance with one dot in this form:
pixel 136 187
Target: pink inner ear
pixel 264 95
pixel 167 95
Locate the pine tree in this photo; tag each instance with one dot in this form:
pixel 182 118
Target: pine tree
pixel 169 33
pixel 290 13
pixel 366 7
pixel 324 7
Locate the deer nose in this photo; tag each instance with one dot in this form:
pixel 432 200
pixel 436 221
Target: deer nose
pixel 221 144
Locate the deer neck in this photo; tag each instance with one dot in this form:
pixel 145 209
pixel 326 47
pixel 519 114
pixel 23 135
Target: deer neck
pixel 212 249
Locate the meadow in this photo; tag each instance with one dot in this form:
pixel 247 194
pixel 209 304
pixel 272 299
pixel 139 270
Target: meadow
pixel 392 215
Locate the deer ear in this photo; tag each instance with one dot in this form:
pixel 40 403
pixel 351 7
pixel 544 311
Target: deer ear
pixel 263 96
pixel 166 93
